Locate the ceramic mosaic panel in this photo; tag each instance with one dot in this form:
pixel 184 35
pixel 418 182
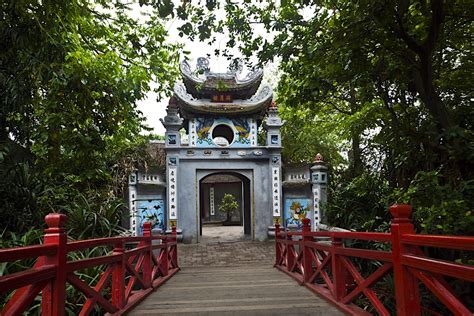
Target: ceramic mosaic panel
pixel 295 210
pixel 244 131
pixel 151 210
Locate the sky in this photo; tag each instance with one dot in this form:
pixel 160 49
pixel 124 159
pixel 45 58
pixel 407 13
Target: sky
pixel 153 110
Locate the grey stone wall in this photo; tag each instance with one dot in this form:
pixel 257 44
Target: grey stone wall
pixel 191 171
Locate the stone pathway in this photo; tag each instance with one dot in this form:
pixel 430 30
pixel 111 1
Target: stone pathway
pixel 226 254
pixel 213 234
pixel 231 278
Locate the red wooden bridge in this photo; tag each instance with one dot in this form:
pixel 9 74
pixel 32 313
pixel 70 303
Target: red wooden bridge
pixel 327 263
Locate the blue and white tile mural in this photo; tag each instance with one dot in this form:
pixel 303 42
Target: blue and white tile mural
pixel 295 210
pixel 241 128
pixel 151 211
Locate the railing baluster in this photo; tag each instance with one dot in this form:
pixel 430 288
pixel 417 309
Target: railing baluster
pixel 307 259
pixel 52 271
pixel 54 294
pixel 406 286
pixel 339 271
pixel 277 245
pixel 290 255
pixel 147 260
pixel 164 257
pixel 175 247
pixel 118 276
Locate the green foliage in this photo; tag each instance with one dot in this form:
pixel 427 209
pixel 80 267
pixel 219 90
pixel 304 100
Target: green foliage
pixel 304 135
pixel 381 89
pixel 228 206
pixel 93 217
pixel 440 208
pixel 71 76
pixel 360 203
pixel 20 187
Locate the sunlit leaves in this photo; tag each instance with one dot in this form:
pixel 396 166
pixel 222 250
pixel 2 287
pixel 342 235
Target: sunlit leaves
pixel 74 75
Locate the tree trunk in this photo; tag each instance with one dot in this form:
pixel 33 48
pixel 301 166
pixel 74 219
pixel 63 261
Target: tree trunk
pixel 429 95
pixel 356 152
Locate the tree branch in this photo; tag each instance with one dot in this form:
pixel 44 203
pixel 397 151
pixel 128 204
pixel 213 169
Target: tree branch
pixel 402 34
pixel 437 19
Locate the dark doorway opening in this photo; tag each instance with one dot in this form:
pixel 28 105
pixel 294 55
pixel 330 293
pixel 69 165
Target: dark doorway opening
pixel 212 189
pixel 223 135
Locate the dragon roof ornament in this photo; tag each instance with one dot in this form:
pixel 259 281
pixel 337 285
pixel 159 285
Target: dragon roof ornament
pixel 202 82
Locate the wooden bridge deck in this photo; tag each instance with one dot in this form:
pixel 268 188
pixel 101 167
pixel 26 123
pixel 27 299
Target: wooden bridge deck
pixel 244 290
pixel 252 287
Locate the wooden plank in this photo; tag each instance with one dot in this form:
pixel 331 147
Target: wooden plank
pixel 246 290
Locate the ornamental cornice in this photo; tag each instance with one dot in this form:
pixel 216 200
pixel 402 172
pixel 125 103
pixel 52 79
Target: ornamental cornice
pixel 258 103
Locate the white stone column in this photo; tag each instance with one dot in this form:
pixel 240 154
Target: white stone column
pixel 319 179
pixel 172 181
pixel 173 123
pixel 276 191
pixel 132 196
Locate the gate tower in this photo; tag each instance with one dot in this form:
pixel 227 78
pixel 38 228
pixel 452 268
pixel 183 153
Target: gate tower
pixel 212 127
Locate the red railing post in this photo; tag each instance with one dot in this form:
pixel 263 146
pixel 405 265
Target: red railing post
pixel 339 272
pixel 277 246
pixel 175 247
pixel 54 295
pixel 147 259
pixel 118 276
pixel 406 286
pixel 164 257
pixel 290 256
pixel 307 260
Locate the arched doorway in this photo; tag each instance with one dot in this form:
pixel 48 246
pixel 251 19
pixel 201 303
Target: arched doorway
pixel 212 189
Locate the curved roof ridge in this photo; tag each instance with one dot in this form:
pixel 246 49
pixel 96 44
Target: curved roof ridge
pixel 211 83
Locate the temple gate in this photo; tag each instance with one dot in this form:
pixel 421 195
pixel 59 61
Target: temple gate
pixel 223 135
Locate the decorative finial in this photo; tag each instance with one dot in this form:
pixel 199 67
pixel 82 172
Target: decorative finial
pixel 55 220
pixel 202 65
pixel 318 158
pixel 172 101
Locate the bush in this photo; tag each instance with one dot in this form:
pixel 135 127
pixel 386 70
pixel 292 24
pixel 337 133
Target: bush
pixel 440 208
pixel 228 206
pixel 359 204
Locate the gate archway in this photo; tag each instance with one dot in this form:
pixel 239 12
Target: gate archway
pixel 212 188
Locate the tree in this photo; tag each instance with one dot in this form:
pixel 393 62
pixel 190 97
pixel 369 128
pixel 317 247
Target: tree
pixel 70 78
pixel 388 77
pixel 228 206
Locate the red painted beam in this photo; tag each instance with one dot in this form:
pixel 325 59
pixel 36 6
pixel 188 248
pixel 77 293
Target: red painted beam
pixel 450 242
pixel 463 272
pixel 91 262
pixel 20 279
pixel 365 253
pixel 20 253
pixel 91 243
pixel 135 251
pixel 382 237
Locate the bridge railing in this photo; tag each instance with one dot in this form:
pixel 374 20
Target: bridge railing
pixel 134 267
pixel 327 264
